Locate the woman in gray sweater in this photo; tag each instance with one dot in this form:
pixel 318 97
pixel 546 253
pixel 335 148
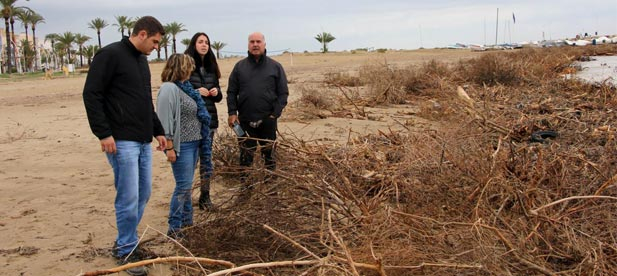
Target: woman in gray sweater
pixel 184 117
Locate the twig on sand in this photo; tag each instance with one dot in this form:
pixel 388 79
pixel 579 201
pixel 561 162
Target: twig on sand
pixel 158 261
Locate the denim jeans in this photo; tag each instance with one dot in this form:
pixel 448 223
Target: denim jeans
pixel 267 130
pixel 132 166
pixel 206 166
pixel 180 208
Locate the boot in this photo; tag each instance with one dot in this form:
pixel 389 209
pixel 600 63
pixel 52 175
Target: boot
pixel 204 198
pixel 204 202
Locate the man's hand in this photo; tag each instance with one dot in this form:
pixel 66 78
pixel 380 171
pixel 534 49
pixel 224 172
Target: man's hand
pixel 162 142
pixel 232 119
pixel 108 145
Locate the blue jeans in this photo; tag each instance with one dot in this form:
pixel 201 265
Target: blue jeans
pixel 180 208
pixel 206 166
pixel 132 166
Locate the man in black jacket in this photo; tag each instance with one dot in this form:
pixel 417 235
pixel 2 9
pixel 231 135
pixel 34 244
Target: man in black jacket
pixel 256 97
pixel 118 100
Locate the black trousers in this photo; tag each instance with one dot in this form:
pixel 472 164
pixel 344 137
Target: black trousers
pixel 266 130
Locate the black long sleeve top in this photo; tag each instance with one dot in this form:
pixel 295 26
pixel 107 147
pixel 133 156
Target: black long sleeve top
pixel 202 78
pixel 118 94
pixel 257 89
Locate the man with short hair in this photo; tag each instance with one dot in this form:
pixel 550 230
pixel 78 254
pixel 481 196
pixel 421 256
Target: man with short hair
pixel 118 100
pixel 256 96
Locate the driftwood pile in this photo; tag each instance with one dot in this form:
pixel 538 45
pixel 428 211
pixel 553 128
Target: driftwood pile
pixel 514 179
pixel 518 176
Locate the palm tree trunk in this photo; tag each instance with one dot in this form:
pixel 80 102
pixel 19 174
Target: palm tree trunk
pixel 98 33
pixel 8 45
pixel 36 54
pixel 27 45
pixel 158 53
pixel 81 56
pixel 26 25
pixel 13 40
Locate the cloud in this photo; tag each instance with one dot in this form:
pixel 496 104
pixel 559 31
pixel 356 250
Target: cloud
pixel 292 24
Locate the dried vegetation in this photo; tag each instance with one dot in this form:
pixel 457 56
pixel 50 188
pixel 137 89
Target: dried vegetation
pixel 478 196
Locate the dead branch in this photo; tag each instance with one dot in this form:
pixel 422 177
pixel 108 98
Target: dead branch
pixel 339 240
pixel 535 211
pixel 159 261
pixel 264 265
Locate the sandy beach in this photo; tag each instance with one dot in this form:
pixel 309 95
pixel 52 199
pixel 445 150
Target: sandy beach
pixel 56 212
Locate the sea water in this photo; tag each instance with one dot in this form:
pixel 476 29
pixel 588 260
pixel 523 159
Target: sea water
pixel 598 70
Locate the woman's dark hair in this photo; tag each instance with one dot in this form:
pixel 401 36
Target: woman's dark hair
pixel 209 61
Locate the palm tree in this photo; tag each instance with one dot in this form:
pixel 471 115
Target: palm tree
pixel 28 54
pixel 35 20
pixel 174 28
pixel 24 15
pixel 98 24
pixel 60 50
pixel 186 42
pixel 324 38
pixel 81 39
pixel 218 45
pixel 67 39
pixel 89 52
pixel 163 44
pixel 53 37
pixel 122 23
pixel 8 10
pixel 130 24
pixel 16 11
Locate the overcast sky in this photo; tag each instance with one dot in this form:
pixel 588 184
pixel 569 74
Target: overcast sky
pixel 293 24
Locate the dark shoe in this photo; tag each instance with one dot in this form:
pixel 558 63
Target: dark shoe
pixel 115 252
pixel 205 203
pixel 133 258
pixel 177 234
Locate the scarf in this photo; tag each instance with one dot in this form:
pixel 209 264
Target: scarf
pixel 205 150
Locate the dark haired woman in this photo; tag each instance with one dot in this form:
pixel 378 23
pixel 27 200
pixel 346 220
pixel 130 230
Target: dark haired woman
pixel 206 75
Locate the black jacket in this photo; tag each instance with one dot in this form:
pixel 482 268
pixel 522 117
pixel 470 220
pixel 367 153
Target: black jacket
pixel 118 94
pixel 257 89
pixel 201 78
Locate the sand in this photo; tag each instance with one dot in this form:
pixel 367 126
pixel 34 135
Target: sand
pixel 56 187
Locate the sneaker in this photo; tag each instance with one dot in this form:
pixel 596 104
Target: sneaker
pixel 133 258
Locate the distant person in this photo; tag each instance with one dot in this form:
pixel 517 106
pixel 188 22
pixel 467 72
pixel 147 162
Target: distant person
pixel 206 75
pixel 256 96
pixel 118 99
pixel 186 121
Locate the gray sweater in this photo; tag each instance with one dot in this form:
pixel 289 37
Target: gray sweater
pixel 168 110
